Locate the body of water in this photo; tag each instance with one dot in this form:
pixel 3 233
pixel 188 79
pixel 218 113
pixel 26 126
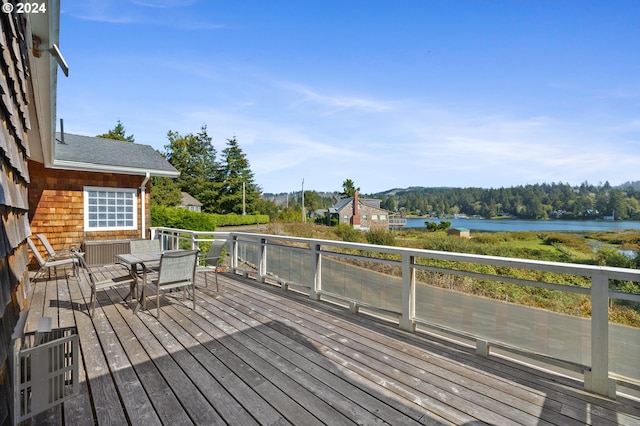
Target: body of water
pixel 500 225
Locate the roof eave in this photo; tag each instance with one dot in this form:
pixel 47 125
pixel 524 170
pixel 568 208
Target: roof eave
pixel 44 78
pixel 102 168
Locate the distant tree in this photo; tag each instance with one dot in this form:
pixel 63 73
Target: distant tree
pixel 268 207
pixel 165 192
pixel 312 201
pixel 118 133
pixel 234 172
pixel 348 189
pixel 195 158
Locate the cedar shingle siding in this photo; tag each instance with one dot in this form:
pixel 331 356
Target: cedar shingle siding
pixel 54 191
pixel 14 180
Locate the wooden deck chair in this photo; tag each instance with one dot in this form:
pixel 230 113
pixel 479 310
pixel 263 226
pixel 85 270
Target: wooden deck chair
pixel 211 262
pixel 177 270
pixel 51 263
pixel 106 280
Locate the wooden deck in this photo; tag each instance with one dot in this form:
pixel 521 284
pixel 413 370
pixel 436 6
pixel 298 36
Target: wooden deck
pixel 254 354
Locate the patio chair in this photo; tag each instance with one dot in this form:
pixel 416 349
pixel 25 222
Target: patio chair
pixel 177 270
pixel 96 284
pixel 211 262
pixel 51 263
pixel 53 254
pixel 145 246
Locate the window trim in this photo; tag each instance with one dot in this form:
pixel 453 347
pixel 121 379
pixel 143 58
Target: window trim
pixel 133 191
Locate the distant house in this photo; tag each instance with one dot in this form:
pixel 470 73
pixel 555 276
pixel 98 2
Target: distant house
pixel 460 232
pixel 190 203
pixel 361 213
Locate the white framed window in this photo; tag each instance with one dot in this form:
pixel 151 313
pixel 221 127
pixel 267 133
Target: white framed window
pixel 374 217
pixel 109 209
pixel 383 217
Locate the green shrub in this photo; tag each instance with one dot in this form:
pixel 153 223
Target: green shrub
pixel 347 233
pixel 174 217
pixel 380 237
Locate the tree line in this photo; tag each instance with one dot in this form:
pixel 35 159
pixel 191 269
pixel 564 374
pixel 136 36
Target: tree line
pixel 539 201
pixel 223 185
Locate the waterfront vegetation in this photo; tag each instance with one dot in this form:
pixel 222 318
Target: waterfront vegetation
pixel 606 248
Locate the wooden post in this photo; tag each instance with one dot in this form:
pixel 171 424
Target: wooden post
pixel 407 321
pixel 262 260
pixel 316 272
pixel 597 380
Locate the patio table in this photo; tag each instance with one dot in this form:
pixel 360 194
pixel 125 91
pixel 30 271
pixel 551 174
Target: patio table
pixel 134 259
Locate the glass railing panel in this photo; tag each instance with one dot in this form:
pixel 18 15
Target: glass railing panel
pixel 362 283
pixel 290 265
pixel 559 335
pixel 248 254
pixel 624 339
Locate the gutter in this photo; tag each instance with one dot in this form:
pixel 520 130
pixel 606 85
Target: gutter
pixel 89 167
pixel 143 201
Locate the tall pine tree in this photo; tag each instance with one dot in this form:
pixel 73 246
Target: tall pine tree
pixel 235 171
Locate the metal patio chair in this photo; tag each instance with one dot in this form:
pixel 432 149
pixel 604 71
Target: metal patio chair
pixel 106 280
pixel 51 263
pixel 145 246
pixel 177 270
pixel 53 254
pixel 211 262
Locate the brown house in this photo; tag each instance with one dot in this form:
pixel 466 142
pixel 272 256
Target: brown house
pixel 361 213
pixel 72 190
pixel 93 189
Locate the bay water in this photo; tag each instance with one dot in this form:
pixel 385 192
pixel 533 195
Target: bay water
pixel 503 225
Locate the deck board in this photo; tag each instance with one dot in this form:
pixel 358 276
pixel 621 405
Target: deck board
pixel 253 354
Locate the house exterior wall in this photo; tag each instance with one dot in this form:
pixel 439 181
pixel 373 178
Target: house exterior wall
pixel 56 205
pixel 14 180
pixel 367 214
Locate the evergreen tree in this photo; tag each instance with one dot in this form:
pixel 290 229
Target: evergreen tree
pixel 195 157
pixel 118 133
pixel 348 189
pixel 235 172
pixel 165 192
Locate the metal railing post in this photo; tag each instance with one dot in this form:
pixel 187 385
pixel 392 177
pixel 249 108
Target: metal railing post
pixel 262 260
pixel 407 321
pixel 597 380
pixel 316 271
pixel 195 244
pixel 234 253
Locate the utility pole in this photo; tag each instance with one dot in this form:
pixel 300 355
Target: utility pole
pixel 244 211
pixel 304 219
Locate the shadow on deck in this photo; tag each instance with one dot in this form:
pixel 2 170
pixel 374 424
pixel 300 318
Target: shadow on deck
pixel 253 354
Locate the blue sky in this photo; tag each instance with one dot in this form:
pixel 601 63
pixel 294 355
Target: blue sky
pixel 388 93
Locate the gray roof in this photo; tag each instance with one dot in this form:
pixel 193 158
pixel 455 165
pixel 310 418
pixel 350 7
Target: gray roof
pixel 108 155
pixel 189 200
pixel 344 202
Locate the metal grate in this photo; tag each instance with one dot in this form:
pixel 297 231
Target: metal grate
pixel 46 371
pixel 104 252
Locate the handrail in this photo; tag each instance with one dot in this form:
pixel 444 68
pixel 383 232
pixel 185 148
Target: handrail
pixel 406 260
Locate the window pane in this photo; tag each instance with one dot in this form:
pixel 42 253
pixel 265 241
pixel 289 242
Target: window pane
pixel 110 208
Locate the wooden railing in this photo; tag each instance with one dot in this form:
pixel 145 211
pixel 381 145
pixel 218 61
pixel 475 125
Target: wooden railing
pixel 342 272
